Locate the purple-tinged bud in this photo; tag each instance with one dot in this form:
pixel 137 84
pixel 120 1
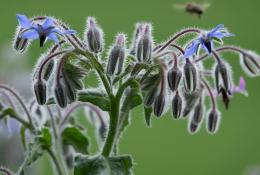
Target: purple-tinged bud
pixel 144 45
pixel 40 92
pixel 190 76
pixel 174 77
pixel 223 76
pixel 198 113
pixel 94 36
pixel 117 56
pixel 61 95
pixel 213 121
pixel 250 63
pixel 138 32
pixel 159 105
pixel 176 106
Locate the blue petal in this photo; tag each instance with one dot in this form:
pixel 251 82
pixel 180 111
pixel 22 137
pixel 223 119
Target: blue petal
pixel 221 35
pixel 24 22
pixel 56 30
pixel 30 34
pixel 53 37
pixel 220 26
pixel 192 49
pixel 48 23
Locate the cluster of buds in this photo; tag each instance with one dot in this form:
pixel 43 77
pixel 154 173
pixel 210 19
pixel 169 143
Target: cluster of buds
pixel 165 71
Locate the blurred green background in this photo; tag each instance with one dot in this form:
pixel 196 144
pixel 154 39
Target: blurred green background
pixel 166 148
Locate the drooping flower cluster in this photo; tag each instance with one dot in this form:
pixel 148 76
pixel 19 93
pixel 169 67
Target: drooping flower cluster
pixel 165 77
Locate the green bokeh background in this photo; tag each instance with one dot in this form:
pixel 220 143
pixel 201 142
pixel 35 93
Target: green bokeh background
pixel 167 148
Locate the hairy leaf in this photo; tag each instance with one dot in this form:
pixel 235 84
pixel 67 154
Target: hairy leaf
pixel 73 136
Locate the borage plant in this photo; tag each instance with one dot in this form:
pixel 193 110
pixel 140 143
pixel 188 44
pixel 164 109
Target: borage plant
pixel 142 74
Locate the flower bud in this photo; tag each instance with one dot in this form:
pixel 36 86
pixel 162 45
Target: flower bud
pixel 48 70
pixel 190 76
pixel 144 45
pixel 40 92
pixel 159 104
pixel 250 63
pixel 176 106
pixel 193 128
pixel 190 101
pixel 138 32
pixel 150 82
pixel 213 121
pixel 174 77
pixel 117 56
pixel 94 36
pixel 222 76
pixel 70 91
pixel 198 113
pixel 225 97
pixel 60 95
pixel 20 44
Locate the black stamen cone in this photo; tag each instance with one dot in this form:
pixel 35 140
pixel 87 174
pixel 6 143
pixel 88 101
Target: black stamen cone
pixel 40 92
pixel 208 46
pixel 42 40
pixel 222 74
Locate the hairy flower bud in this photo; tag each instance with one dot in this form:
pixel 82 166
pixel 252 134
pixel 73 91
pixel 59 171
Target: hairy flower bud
pixel 250 63
pixel 198 113
pixel 138 32
pixel 144 45
pixel 70 91
pixel 213 121
pixel 48 70
pixel 190 76
pixel 94 36
pixel 61 95
pixel 190 101
pixel 176 106
pixel 193 128
pixel 117 56
pixel 225 97
pixel 40 92
pixel 159 104
pixel 174 77
pixel 20 44
pixel 222 76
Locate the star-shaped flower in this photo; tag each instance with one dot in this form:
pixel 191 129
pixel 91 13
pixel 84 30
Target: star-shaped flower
pixel 206 40
pixel 47 30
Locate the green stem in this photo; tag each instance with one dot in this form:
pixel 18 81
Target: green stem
pixel 114 118
pixel 56 162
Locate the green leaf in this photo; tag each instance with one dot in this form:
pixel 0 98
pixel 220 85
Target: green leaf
pixel 95 97
pixel 73 136
pixel 45 139
pixel 132 99
pixel 99 165
pixel 148 113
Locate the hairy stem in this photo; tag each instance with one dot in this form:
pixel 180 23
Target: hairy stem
pixel 19 100
pixel 113 126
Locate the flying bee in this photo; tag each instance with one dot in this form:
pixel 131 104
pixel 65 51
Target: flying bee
pixel 193 8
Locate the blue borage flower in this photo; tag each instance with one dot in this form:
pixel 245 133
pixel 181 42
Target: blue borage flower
pixel 206 40
pixel 47 30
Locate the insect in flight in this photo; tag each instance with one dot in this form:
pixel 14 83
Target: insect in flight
pixel 193 8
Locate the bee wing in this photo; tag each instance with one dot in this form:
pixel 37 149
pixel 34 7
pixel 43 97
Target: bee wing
pixel 205 5
pixel 179 6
